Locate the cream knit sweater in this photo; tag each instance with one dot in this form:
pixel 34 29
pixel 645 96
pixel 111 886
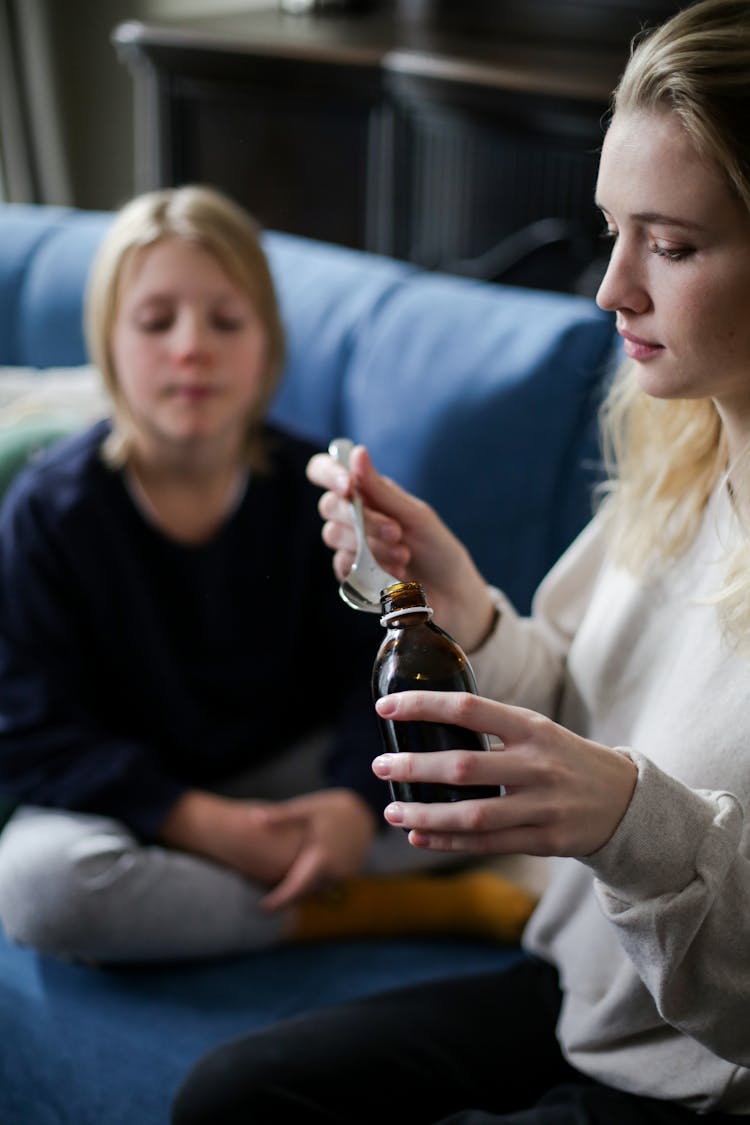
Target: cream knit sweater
pixel 651 934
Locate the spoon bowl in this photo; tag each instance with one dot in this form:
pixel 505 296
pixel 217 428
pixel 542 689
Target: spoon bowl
pixel 361 587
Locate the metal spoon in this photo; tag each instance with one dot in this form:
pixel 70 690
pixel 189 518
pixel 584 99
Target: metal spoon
pixel 361 587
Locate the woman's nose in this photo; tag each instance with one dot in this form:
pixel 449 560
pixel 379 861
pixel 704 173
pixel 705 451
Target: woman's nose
pixel 623 285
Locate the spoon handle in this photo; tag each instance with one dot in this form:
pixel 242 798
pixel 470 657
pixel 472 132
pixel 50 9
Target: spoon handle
pixel 361 590
pixel 340 449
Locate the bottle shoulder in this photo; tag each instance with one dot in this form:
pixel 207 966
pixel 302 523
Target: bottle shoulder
pixel 425 656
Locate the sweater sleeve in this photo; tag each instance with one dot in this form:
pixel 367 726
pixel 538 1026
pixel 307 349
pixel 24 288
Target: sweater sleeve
pixel 674 880
pixel 523 661
pixel 53 749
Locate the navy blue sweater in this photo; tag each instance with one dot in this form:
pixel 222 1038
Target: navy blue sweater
pixel 133 667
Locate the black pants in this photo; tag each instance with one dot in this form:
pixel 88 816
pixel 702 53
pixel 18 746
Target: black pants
pixel 472 1051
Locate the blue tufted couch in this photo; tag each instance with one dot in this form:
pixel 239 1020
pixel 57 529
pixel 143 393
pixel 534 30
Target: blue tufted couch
pixel 483 400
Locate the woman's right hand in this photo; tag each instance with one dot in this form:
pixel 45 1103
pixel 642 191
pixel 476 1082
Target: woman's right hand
pixel 408 539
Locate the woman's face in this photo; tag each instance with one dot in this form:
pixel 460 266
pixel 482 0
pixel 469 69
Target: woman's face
pixel 679 274
pixel 189 349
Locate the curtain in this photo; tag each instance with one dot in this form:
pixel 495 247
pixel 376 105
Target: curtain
pixel 32 152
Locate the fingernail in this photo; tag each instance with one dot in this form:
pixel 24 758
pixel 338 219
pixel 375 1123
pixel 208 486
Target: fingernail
pixel 394 814
pixel 386 706
pixel 382 765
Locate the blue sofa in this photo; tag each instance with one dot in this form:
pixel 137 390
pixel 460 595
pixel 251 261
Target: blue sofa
pixel 480 398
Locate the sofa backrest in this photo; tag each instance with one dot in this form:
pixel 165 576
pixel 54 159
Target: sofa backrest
pixel 45 254
pixel 481 398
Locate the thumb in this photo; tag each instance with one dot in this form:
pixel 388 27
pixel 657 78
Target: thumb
pixel 379 492
pixel 301 878
pixel 279 816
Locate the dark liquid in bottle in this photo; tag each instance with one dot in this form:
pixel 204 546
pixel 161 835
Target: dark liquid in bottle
pixel 425 737
pixel 419 737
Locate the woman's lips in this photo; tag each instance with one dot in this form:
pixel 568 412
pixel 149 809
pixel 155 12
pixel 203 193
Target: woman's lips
pixel 635 348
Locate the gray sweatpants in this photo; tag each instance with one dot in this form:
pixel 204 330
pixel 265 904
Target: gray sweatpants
pixel 83 886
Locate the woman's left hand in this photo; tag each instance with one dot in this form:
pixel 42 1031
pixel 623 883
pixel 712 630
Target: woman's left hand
pixel 565 795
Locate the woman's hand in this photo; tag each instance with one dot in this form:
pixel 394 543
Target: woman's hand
pixel 338 828
pixel 407 538
pixel 565 795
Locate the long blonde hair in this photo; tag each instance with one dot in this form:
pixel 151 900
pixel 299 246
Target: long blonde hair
pixel 211 220
pixel 666 457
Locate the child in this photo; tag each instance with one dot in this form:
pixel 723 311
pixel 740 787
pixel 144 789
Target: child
pixel 167 621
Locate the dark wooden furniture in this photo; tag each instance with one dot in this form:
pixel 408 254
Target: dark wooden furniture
pixel 468 146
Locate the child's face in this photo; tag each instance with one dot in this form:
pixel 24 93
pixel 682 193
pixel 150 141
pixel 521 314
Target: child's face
pixel 189 349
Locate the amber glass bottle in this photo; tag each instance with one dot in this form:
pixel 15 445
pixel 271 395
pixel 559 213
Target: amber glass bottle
pixel 417 654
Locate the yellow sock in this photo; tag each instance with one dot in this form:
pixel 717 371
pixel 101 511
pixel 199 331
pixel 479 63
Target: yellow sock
pixel 468 903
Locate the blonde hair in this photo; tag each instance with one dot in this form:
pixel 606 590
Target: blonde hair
pixel 666 457
pixel 211 220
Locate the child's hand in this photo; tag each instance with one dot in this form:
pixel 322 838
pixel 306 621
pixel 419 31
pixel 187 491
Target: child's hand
pixel 236 833
pixel 338 830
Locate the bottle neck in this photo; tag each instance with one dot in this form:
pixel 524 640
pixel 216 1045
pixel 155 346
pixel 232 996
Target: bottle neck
pixel 422 611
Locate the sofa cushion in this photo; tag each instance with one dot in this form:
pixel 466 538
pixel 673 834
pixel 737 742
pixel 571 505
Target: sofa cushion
pixel 40 406
pixel 21 443
pixel 483 401
pixel 87 1046
pixel 326 298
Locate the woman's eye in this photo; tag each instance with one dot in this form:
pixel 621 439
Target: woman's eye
pixel 228 323
pixel 670 253
pixel 608 235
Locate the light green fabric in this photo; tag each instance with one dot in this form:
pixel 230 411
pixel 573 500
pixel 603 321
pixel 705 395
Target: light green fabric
pixel 21 442
pixel 38 406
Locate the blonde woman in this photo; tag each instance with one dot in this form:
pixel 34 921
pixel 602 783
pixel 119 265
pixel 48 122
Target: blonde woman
pixel 622 702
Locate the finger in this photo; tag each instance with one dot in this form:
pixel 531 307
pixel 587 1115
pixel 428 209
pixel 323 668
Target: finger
pixel 342 564
pixel 333 507
pixel 390 552
pixel 326 472
pixel 496 824
pixel 280 815
pixel 379 492
pixel 302 878
pixel 513 769
pixel 468 817
pixel 525 840
pixel 380 528
pixel 457 708
pixel 339 536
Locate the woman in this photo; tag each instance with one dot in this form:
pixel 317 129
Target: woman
pixel 624 716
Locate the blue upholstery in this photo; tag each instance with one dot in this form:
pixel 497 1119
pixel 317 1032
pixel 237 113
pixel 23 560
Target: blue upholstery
pixel 85 1046
pixel 483 400
pixel 44 259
